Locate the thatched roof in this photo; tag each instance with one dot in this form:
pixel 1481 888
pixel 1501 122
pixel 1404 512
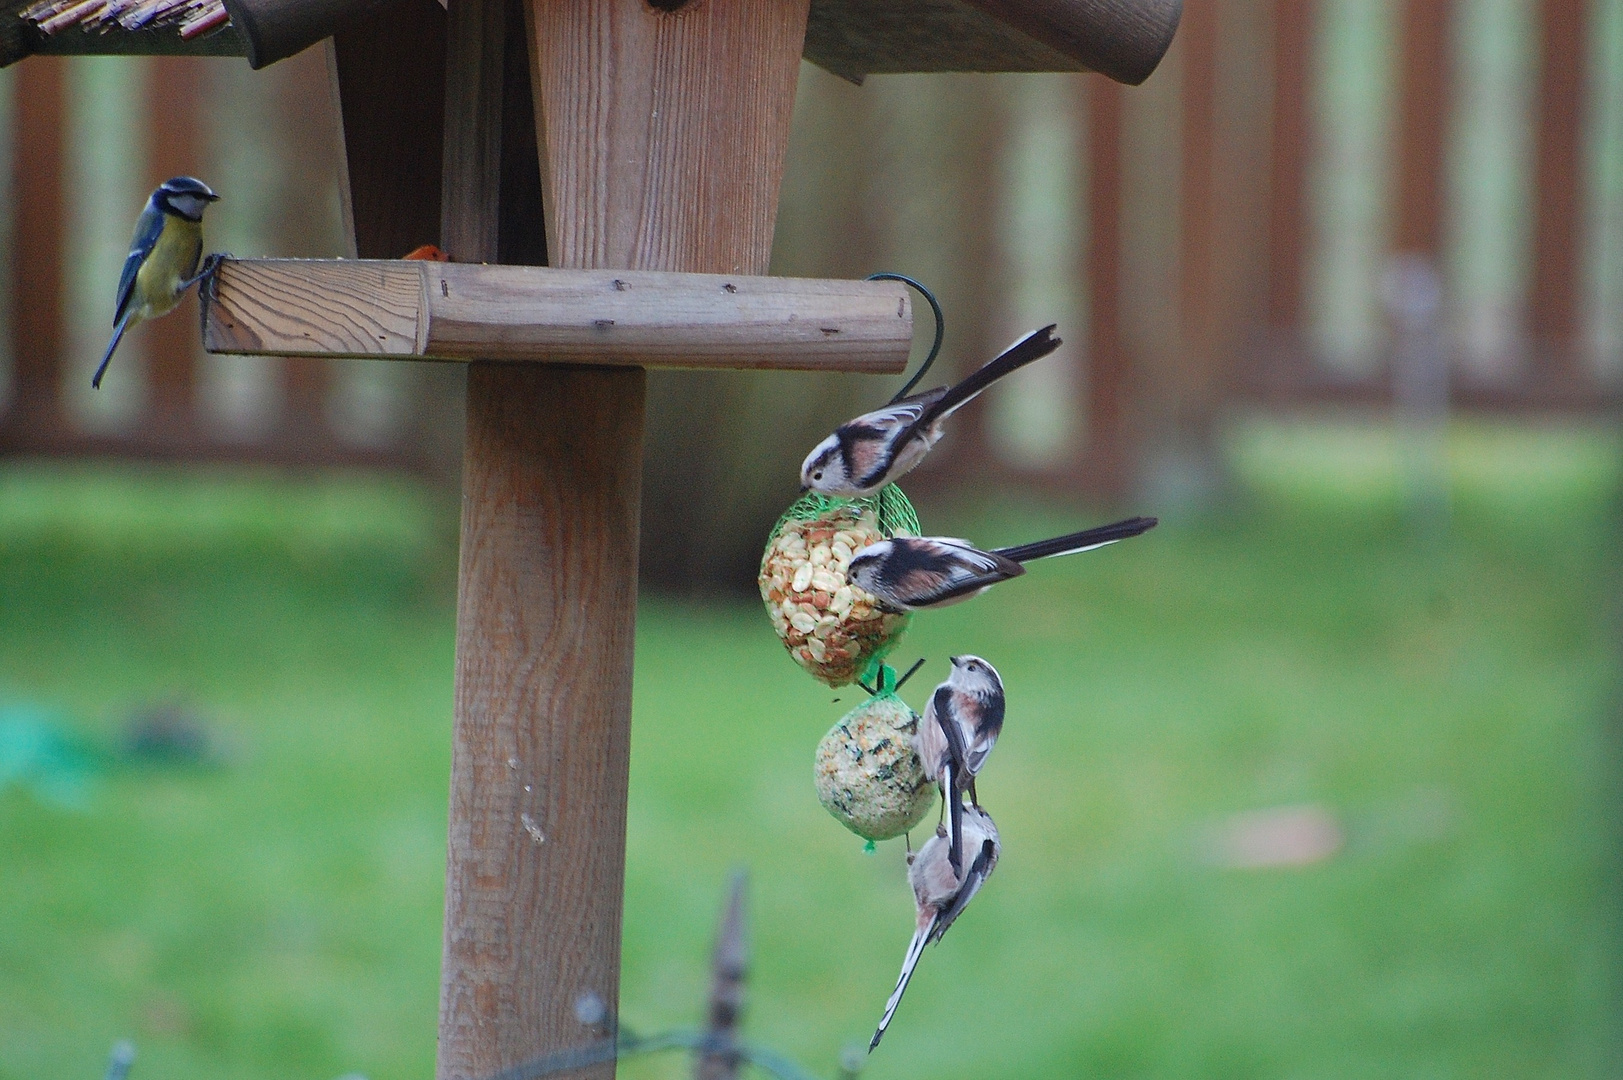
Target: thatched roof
pixel 1123 39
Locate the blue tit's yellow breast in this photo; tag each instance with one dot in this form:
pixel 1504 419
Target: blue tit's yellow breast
pixel 173 260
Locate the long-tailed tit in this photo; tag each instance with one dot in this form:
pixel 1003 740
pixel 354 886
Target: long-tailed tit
pixel 940 894
pixel 960 726
pixel 909 573
pixel 865 454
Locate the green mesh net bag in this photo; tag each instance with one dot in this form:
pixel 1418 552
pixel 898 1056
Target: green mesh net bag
pixel 833 629
pixel 868 772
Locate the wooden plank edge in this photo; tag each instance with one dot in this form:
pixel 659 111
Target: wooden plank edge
pixel 320 308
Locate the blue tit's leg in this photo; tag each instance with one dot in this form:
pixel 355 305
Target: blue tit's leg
pixel 206 274
pixel 118 334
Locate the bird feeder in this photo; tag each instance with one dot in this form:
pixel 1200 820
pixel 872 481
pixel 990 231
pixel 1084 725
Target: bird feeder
pixel 631 154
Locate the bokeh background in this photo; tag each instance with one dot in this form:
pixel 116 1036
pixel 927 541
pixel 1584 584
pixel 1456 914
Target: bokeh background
pixel 1317 779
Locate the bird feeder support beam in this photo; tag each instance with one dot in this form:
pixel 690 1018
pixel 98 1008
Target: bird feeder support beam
pixel 662 141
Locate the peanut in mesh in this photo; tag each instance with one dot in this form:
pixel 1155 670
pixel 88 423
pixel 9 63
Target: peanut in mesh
pixel 831 627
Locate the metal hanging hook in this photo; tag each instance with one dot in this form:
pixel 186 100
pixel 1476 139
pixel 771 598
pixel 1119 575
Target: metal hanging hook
pixel 940 328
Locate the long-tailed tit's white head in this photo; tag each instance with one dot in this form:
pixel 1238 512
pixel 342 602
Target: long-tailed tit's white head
pixel 825 468
pixel 940 894
pixel 976 677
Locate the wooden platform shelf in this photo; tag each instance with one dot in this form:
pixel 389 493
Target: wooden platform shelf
pixel 382 309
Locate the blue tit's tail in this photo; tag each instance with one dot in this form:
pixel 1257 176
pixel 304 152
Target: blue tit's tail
pixel 112 346
pixel 1086 540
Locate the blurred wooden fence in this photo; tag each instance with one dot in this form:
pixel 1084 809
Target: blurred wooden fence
pixel 1199 195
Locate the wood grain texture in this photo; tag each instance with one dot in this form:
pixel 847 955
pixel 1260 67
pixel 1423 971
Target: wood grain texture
pixel 551 484
pixel 661 141
pixel 470 211
pixel 454 311
pixel 663 134
pixel 657 319
pixel 1122 39
pixel 317 307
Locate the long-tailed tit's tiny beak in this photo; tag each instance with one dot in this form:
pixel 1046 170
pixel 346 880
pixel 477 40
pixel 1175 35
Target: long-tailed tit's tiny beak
pixel 805 488
pixel 957 661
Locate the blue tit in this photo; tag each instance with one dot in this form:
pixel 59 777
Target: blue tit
pixel 162 263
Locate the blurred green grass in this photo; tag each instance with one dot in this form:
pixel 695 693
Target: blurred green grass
pixel 1450 700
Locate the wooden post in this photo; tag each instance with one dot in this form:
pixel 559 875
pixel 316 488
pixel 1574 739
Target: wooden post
pixel 1555 303
pixel 38 187
pixel 662 138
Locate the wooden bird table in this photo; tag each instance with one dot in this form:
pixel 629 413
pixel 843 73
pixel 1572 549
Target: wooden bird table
pixel 650 135
pixel 660 143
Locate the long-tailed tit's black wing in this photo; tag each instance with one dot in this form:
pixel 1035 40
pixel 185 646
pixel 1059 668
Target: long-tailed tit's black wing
pixel 988 727
pixel 915 949
pixel 1029 349
pixel 958 774
pixel 922 571
pixel 1072 543
pixel 868 443
pixel 979 871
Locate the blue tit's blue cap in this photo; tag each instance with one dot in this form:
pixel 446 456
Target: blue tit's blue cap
pixel 188 185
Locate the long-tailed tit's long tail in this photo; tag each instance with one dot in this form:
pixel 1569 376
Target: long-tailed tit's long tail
pixel 1086 540
pixel 112 346
pixel 1028 350
pixel 915 949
